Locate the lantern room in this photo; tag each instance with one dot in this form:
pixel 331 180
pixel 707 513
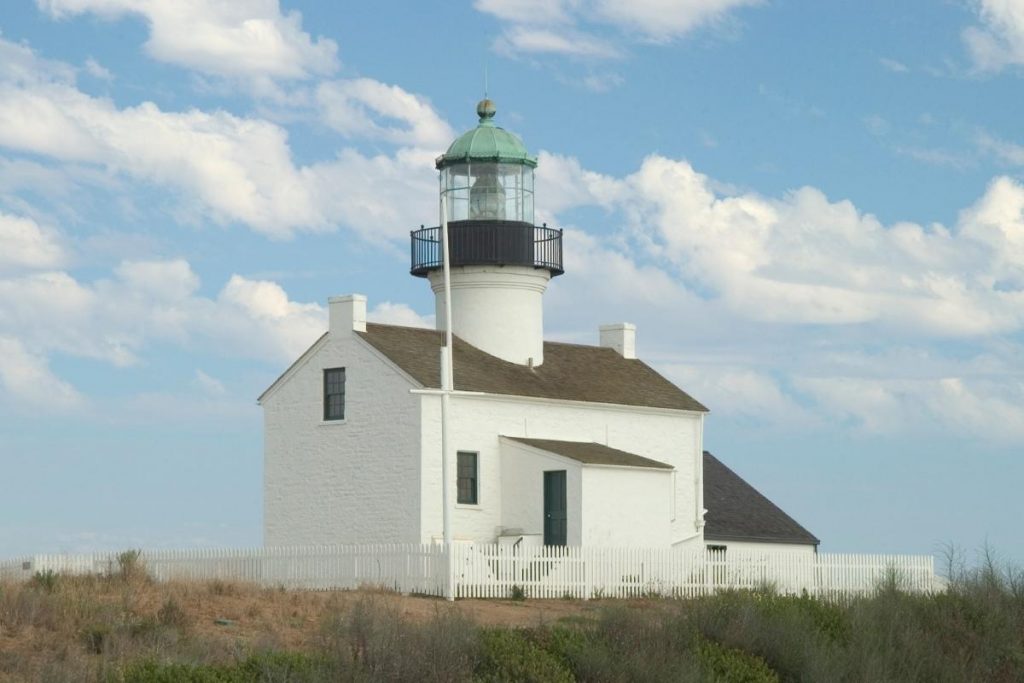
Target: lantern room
pixel 486 176
pixel 501 262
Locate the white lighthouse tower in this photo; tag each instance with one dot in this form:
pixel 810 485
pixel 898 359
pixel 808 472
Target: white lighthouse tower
pixel 500 261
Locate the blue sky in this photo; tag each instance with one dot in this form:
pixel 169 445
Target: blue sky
pixel 814 212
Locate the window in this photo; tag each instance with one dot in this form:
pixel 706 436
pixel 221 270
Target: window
pixel 467 478
pixel 334 394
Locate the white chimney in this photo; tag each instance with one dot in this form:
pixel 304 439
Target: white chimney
pixel 347 314
pixel 621 337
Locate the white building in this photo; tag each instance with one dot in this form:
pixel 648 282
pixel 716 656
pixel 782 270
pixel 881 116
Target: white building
pixel 552 443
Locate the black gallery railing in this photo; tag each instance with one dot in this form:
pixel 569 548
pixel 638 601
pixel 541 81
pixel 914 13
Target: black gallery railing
pixel 485 243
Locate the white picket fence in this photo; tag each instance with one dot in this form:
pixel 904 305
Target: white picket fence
pixel 493 571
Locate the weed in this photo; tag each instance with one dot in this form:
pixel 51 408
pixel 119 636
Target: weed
pixel 516 593
pixel 45 580
pixel 129 564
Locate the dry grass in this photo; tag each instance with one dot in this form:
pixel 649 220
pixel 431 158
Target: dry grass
pixel 128 629
pixel 79 627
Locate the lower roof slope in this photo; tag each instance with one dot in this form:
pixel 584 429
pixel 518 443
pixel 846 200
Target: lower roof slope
pixel 570 371
pixel 591 453
pixel 738 512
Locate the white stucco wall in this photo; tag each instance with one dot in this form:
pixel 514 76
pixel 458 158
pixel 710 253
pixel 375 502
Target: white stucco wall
pixel 355 481
pixel 498 309
pixel 672 437
pixel 626 506
pixel 768 548
pixel 522 505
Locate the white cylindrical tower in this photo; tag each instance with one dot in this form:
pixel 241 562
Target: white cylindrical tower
pixel 501 262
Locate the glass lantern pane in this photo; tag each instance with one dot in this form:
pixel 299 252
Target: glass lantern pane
pixel 487 192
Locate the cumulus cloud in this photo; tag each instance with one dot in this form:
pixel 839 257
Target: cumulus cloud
pixel 390 313
pixel 230 168
pixel 112 319
pixel 999 41
pixel 27 380
pixel 565 42
pixel 27 245
pixel 572 27
pixel 355 108
pixel 242 39
pixel 804 258
pixel 663 20
pixel 763 305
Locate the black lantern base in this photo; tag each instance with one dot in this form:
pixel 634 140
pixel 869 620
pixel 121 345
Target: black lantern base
pixel 488 243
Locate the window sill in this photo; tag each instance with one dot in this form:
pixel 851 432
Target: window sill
pixel 469 506
pixel 332 423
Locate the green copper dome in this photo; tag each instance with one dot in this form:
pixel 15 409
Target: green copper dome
pixel 486 142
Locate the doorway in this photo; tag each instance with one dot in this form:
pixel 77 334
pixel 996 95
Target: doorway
pixel 554 508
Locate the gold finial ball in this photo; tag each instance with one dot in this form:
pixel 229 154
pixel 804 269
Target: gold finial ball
pixel 485 109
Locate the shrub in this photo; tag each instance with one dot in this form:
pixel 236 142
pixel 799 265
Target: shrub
pixel 516 593
pixel 508 655
pixel 45 580
pixel 269 666
pixel 731 665
pixel 373 639
pixel 129 564
pixel 171 614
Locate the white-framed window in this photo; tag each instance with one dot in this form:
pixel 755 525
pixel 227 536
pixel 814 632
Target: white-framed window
pixel 334 394
pixel 467 482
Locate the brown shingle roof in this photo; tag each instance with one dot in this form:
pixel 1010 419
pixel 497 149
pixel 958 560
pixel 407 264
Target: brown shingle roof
pixel 591 453
pixel 570 371
pixel 738 512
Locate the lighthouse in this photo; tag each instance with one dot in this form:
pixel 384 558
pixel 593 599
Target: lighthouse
pixel 501 262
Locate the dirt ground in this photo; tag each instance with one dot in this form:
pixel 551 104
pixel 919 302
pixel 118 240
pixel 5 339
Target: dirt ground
pixel 39 626
pixel 294 615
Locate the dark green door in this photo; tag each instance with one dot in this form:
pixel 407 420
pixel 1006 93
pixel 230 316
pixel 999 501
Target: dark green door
pixel 554 508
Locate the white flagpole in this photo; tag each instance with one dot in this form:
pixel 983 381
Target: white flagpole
pixel 447 385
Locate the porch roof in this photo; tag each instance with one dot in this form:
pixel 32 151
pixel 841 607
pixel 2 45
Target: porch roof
pixel 591 453
pixel 739 512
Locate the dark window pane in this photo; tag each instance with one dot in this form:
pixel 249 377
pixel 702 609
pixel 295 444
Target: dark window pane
pixel 466 483
pixel 334 394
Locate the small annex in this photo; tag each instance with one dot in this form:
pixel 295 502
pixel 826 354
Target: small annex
pixel 552 443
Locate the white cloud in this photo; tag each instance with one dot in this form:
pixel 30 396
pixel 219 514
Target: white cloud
pixel 805 259
pixel 736 391
pixel 390 313
pixel 529 11
pixel 893 65
pixel 999 41
pixel 1005 151
pixel 991 410
pixel 762 307
pixel 228 168
pixel 240 39
pixel 603 82
pixel 571 27
pixel 113 319
pixel 565 42
pixel 97 70
pixel 28 381
pixel 209 385
pixel 663 20
pixel 27 245
pixel 353 108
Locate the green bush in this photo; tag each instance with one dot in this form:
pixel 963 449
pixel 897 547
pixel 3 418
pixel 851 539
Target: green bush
pixel 509 656
pixel 730 665
pixel 290 667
